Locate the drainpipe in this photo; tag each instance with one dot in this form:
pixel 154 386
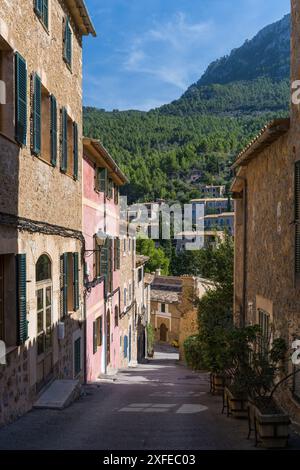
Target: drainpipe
pixel 245 239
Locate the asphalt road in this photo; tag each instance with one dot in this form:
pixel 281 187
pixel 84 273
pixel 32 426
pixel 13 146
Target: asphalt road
pixel 161 405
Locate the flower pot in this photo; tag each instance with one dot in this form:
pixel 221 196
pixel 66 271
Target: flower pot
pixel 218 383
pixel 237 406
pixel 271 424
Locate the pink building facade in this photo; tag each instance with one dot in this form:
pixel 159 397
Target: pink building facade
pixel 101 228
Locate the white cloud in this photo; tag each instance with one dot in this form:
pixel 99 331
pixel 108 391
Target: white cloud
pixel 165 51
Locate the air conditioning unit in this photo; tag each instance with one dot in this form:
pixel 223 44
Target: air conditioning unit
pixel 61 330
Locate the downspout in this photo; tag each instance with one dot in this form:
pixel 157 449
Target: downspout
pixel 245 239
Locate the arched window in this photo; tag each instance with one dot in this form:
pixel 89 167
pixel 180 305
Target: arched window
pixel 116 315
pixel 44 305
pixel 43 269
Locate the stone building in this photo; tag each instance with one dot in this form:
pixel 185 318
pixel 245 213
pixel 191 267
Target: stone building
pixel 41 244
pixel 101 227
pixel 142 297
pixel 267 254
pixel 173 305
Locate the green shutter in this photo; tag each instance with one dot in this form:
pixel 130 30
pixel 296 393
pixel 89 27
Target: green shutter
pixel 68 42
pixel 37 103
pixel 102 180
pixel 21 99
pixel 64 140
pixel 104 263
pixel 77 356
pixel 22 325
pixel 76 280
pixel 94 337
pixel 75 149
pixel 118 253
pixel 45 13
pixel 53 130
pixel 38 6
pixel 64 285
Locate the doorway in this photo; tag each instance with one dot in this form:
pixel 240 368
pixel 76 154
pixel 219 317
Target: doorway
pixel 163 332
pixel 44 321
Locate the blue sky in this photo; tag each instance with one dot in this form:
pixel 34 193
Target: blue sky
pixel 149 51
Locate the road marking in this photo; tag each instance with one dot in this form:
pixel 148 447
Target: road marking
pixel 191 409
pixel 162 408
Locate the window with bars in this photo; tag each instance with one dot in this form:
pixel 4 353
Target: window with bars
pixel 264 323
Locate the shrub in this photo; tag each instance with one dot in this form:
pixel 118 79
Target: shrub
pixel 193 353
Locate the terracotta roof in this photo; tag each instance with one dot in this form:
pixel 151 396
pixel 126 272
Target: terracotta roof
pixel 268 134
pixel 95 146
pixel 141 259
pixel 81 16
pixel 164 296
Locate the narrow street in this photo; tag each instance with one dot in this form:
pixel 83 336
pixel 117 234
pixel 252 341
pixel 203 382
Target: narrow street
pixel 160 405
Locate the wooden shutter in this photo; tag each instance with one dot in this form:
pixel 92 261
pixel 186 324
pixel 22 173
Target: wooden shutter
pixel 38 6
pixel 118 253
pixel 115 254
pixel 116 194
pixel 102 180
pixel 53 129
pixel 22 325
pixel 64 140
pixel 45 13
pixel 37 104
pixel 68 42
pixel 21 99
pixel 76 281
pixel 297 218
pixel 94 337
pixel 125 346
pixel 75 150
pixel 104 264
pixel 77 356
pixel 64 285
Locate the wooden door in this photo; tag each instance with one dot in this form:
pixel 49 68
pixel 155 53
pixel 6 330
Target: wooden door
pixel 163 332
pixel 1 298
pixel 108 337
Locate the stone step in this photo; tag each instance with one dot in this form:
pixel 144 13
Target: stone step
pixel 59 395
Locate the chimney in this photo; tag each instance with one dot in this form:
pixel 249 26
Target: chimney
pixel 157 272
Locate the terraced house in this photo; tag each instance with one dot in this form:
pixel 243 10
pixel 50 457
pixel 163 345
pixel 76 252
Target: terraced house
pixel 41 244
pixel 267 237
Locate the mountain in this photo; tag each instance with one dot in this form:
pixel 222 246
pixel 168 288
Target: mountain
pixel 205 128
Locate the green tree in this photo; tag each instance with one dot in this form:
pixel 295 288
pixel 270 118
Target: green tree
pixel 158 259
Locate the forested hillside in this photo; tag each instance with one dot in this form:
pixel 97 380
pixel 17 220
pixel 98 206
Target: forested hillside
pixel 206 127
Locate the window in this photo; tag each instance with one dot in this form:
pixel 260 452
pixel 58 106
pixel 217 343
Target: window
pixel 20 99
pixel 67 53
pixel 69 145
pixel 77 357
pixel 264 323
pixel 42 10
pixel 130 293
pixel 140 275
pixel 69 283
pixel 101 180
pixel 109 188
pixel 116 316
pixel 117 254
pixel 43 121
pixel 116 194
pixel 163 308
pixel 99 331
pixel 6 90
pixel 44 305
pixel 124 245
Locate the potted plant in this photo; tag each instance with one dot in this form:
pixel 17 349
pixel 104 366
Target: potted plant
pixel 239 347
